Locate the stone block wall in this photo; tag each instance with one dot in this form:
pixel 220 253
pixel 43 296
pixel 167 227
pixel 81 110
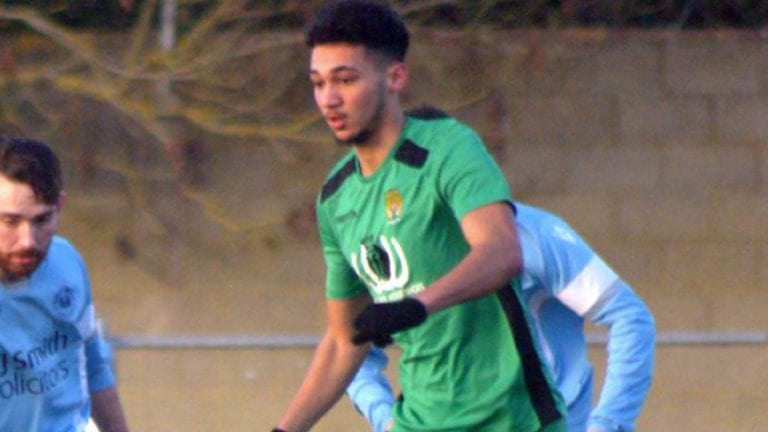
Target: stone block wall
pixel 653 145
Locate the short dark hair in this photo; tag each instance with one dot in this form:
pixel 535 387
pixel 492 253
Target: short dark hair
pixel 33 163
pixel 359 22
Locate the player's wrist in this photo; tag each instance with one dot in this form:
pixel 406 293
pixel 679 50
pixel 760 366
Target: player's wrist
pixel 378 321
pixel 415 309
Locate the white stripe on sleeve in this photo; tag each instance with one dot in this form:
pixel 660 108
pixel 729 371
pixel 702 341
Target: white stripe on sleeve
pixel 87 324
pixel 585 290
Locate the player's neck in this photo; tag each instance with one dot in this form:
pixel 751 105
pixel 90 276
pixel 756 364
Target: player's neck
pixel 373 153
pixel 11 281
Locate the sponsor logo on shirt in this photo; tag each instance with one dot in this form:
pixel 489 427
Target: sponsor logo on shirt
pixel 33 371
pixel 383 266
pixel 346 216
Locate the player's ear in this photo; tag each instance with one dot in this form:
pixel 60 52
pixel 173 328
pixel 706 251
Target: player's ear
pixel 60 201
pixel 397 77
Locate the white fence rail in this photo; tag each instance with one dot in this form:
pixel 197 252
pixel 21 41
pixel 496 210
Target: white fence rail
pixel 298 341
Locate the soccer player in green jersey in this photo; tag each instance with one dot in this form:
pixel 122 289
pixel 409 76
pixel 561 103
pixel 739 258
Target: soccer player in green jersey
pixel 421 248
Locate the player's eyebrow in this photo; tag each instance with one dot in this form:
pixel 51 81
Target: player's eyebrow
pixel 15 214
pixel 337 69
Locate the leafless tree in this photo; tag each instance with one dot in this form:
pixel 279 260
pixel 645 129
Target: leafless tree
pixel 149 110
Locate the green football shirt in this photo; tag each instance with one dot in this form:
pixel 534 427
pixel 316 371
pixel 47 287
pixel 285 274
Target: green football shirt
pixel 470 367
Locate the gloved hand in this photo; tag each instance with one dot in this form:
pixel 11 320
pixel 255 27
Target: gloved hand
pixel 378 321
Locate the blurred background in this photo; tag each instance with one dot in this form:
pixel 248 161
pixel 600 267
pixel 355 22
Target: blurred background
pixel 193 152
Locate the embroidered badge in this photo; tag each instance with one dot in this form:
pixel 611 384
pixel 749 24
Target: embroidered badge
pixel 393 205
pixel 64 301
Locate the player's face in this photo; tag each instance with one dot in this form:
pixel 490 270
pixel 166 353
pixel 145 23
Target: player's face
pixel 350 90
pixel 27 226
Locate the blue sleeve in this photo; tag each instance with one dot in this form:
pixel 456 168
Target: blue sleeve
pixel 569 269
pixel 98 355
pixel 631 342
pixel 98 352
pixel 564 260
pixel 370 391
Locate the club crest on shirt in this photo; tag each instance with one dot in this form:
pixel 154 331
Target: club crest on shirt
pixel 64 301
pixel 564 234
pixel 393 205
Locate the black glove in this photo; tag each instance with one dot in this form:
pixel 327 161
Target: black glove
pixel 378 321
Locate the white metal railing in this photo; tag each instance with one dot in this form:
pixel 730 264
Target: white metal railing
pixel 297 341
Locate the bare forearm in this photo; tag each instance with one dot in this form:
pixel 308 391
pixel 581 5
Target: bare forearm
pixel 331 369
pixel 107 411
pixel 484 270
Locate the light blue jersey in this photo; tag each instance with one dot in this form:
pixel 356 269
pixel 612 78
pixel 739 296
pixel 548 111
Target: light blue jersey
pixel 563 282
pixel 51 355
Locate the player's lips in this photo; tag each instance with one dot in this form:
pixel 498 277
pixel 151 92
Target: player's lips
pixel 335 121
pixel 25 257
pixel 24 260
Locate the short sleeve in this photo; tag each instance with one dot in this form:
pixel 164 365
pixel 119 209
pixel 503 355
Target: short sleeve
pixel 468 177
pixel 340 281
pixel 98 352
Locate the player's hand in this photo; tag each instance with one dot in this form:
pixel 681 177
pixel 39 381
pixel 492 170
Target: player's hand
pixel 378 321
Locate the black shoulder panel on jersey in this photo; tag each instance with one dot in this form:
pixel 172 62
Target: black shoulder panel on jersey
pixel 411 154
pixel 427 112
pixel 333 183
